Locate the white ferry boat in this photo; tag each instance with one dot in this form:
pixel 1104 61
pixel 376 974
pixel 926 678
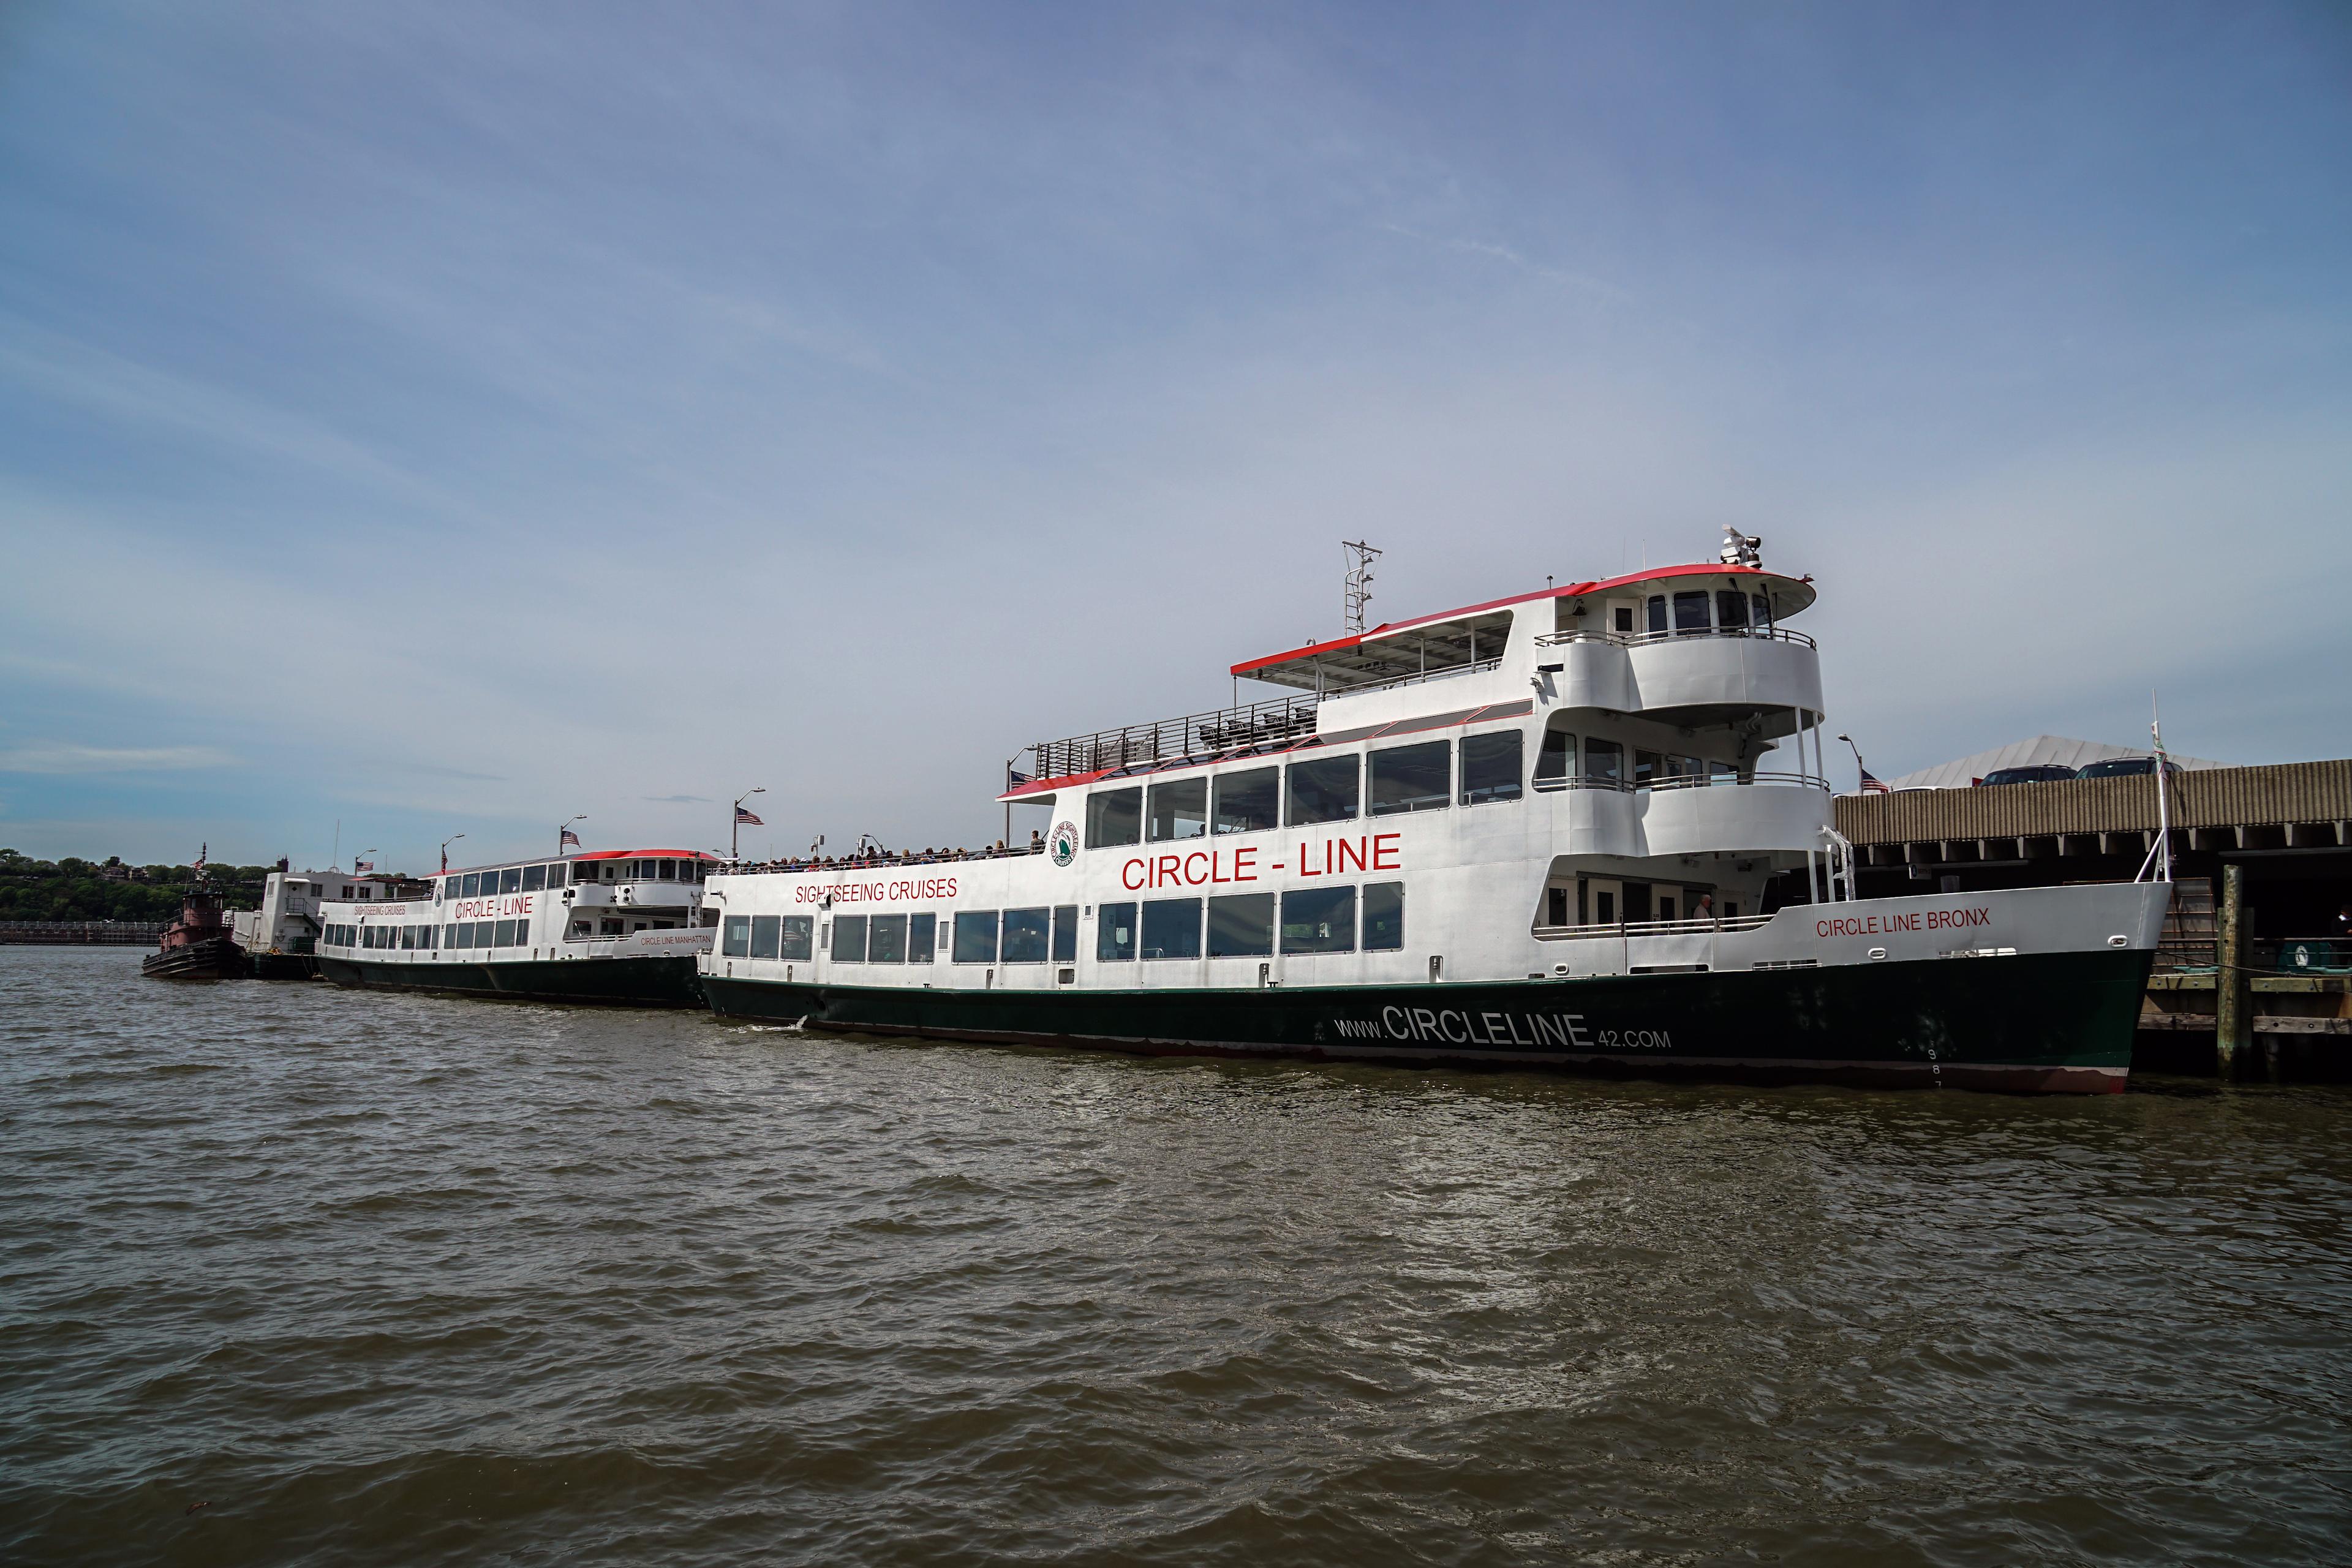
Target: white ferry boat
pixel 1586 827
pixel 622 926
pixel 281 937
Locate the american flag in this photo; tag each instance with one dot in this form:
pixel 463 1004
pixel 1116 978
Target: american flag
pixel 744 817
pixel 568 839
pixel 359 865
pixel 1871 785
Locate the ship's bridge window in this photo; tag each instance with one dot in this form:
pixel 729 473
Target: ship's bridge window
pixel 511 879
pixel 1114 816
pixel 1761 607
pixel 1730 609
pixel 1249 801
pixel 1690 613
pixel 1556 758
pixel 1325 790
pixel 1657 615
pixel 1490 767
pixel 534 878
pixel 665 870
pixel 1180 809
pixel 1412 778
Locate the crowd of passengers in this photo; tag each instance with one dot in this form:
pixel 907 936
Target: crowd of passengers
pixel 876 856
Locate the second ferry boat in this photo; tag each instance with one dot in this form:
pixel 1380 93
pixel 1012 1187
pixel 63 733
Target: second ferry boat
pixel 1586 827
pixel 621 927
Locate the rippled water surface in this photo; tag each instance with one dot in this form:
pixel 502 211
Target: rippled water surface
pixel 379 1279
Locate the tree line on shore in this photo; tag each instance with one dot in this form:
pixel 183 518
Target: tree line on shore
pixel 70 889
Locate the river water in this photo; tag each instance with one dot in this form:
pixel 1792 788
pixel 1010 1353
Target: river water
pixel 359 1279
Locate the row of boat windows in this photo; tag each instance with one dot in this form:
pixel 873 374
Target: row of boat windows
pixel 467 935
pixel 1399 779
pixel 1688 613
pixel 561 873
pixel 1237 925
pixel 1605 761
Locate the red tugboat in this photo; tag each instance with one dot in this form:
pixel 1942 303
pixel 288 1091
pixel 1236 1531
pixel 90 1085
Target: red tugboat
pixel 197 945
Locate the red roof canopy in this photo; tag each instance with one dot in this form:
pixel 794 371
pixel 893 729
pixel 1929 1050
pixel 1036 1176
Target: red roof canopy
pixel 1797 588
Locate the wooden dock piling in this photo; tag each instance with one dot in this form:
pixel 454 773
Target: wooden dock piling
pixel 2233 1036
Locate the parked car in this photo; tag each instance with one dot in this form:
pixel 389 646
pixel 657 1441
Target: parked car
pixel 2127 767
pixel 2031 773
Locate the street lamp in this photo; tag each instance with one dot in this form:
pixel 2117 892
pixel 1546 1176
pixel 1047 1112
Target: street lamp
pixel 1863 781
pixel 564 831
pixel 444 850
pixel 735 828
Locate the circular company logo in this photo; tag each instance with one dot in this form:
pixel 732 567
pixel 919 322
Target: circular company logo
pixel 1063 843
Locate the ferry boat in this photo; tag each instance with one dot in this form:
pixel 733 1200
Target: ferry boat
pixel 281 937
pixel 1588 826
pixel 619 926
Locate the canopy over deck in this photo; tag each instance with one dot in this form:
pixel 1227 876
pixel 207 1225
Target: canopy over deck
pixel 1475 634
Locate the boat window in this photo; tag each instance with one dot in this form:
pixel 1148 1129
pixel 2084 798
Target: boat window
pixel 1180 809
pixel 473 885
pixel 735 936
pixel 1171 928
pixel 534 878
pixel 800 937
pixel 1065 934
pixel 1324 790
pixel 1318 919
pixel 1690 613
pixel 1383 917
pixel 885 940
pixel 922 932
pixel 1557 752
pixel 1412 778
pixel 1241 925
pixel 1027 936
pixel 1730 608
pixel 407 938
pixel 849 939
pixel 1647 768
pixel 975 936
pixel 1622 617
pixel 511 879
pixel 765 930
pixel 1115 934
pixel 1762 608
pixel 668 871
pixel 1604 761
pixel 1604 907
pixel 557 874
pixel 1490 767
pixel 1249 801
pixel 1658 614
pixel 1722 773
pixel 506 934
pixel 1114 816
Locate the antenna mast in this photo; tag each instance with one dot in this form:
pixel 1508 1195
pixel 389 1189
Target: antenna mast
pixel 1357 590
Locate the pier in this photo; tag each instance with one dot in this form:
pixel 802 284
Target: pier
pixel 2254 974
pixel 80 933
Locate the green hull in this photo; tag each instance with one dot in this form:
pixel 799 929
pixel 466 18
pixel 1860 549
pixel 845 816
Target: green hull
pixel 2048 1023
pixel 608 982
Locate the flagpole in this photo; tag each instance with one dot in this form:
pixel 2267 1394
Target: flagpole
pixel 562 827
pixel 735 826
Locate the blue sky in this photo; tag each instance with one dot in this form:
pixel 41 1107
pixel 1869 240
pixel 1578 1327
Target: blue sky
pixel 438 418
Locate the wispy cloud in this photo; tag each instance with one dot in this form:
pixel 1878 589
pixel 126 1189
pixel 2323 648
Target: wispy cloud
pixel 66 757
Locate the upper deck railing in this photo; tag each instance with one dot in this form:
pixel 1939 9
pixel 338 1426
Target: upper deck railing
pixel 1681 781
pixel 1644 639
